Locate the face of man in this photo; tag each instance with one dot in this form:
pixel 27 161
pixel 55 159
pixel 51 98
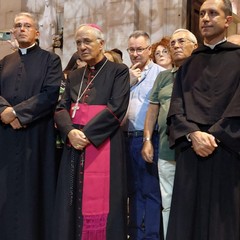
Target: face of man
pixel 212 21
pixel 89 47
pixel 25 31
pixel 139 51
pixel 181 47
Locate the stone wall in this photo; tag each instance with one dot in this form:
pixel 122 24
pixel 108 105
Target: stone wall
pixel 7 11
pixel 117 18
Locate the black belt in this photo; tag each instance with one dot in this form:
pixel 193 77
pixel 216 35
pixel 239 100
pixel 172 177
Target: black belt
pixel 136 133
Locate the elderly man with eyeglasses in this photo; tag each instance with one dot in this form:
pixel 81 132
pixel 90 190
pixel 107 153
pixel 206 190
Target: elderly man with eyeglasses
pixel 92 194
pixel 182 43
pixel 143 184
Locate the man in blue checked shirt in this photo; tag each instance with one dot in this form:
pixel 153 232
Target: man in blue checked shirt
pixel 143 183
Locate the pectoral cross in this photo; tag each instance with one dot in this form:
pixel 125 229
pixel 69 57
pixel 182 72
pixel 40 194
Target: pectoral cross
pixel 74 108
pixel 82 162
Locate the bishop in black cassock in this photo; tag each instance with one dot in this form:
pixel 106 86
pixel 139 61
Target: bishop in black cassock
pixel 91 193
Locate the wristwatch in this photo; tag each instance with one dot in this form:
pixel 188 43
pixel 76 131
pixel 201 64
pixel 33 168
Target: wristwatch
pixel 188 137
pixel 146 139
pixel 13 111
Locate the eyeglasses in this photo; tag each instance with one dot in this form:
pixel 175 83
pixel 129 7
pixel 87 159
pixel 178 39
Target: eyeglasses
pixel 86 42
pixel 181 42
pixel 164 52
pixel 137 50
pixel 27 26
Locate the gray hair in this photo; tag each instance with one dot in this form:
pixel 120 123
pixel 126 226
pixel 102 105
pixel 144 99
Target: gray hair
pixel 191 36
pixel 140 33
pixel 95 29
pixel 29 15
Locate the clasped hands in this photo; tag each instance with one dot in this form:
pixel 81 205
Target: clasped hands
pixel 8 117
pixel 203 143
pixel 78 139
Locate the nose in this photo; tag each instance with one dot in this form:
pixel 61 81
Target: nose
pixel 81 46
pixel 135 53
pixel 205 17
pixel 176 44
pixel 22 28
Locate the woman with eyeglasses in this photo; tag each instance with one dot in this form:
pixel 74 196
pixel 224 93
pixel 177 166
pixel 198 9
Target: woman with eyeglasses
pixel 160 53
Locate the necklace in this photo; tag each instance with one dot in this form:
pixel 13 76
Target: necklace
pixel 76 107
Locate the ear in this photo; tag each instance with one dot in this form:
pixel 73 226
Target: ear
pixel 37 34
pixel 150 50
pixel 229 20
pixel 101 42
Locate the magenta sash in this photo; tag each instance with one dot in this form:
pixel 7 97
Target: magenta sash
pixel 96 183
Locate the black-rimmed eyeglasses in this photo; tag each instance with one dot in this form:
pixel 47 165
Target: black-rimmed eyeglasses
pixel 137 50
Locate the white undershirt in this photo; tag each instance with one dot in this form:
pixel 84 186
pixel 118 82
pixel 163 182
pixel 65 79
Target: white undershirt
pixel 24 50
pixel 214 45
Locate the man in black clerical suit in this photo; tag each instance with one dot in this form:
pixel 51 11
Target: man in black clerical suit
pixel 29 88
pixel 204 120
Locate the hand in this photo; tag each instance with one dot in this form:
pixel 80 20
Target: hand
pixel 16 124
pixel 7 116
pixel 135 73
pixel 78 139
pixel 147 151
pixel 14 44
pixel 203 143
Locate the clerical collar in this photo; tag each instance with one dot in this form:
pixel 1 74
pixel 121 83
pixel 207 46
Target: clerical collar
pixel 98 65
pixel 25 50
pixel 214 45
